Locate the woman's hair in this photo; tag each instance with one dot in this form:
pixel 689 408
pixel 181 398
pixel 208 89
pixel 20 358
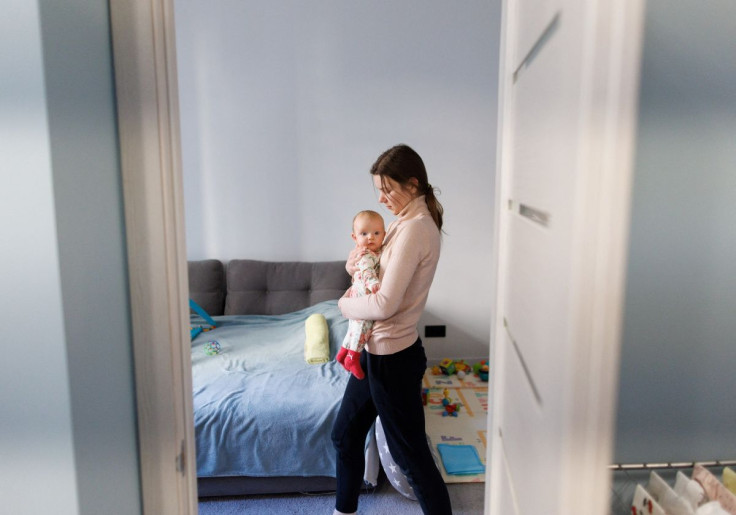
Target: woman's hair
pixel 401 163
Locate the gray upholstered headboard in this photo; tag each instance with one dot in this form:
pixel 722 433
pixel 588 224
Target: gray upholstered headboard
pixel 250 287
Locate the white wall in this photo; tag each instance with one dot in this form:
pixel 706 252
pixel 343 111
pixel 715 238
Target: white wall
pixel 67 430
pixel 679 345
pixel 36 448
pixel 80 98
pixel 285 105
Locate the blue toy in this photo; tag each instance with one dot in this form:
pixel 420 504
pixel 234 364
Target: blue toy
pixel 194 331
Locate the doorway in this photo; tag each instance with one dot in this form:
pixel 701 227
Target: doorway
pixel 145 48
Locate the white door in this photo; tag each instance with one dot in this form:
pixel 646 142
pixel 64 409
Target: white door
pixel 568 89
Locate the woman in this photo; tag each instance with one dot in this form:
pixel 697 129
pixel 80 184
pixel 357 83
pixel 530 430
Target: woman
pixel 394 361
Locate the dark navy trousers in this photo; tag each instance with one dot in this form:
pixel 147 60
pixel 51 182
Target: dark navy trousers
pixel 392 389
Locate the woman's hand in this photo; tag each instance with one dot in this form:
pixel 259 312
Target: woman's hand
pixel 353 258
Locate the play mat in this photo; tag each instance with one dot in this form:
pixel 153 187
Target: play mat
pixel 468 428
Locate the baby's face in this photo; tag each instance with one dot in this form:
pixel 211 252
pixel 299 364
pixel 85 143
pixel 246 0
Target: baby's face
pixel 368 232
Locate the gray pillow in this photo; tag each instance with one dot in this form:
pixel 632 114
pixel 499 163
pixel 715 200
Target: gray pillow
pixel 207 285
pixel 393 472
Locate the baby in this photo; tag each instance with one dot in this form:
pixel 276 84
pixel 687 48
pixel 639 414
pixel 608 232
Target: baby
pixel 368 233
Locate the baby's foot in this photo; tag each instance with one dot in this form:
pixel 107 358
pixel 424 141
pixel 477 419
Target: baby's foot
pixel 352 364
pixel 340 358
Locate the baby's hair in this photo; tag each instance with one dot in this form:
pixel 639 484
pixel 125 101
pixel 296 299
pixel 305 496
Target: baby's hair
pixel 370 214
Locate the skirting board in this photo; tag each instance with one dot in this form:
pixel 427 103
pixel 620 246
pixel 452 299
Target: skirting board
pixel 229 486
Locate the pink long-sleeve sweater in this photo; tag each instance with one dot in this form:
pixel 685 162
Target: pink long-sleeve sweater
pixel 408 261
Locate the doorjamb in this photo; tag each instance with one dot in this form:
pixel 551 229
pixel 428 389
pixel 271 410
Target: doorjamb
pixel 144 56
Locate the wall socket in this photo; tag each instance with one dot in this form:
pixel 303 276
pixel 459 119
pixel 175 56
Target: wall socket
pixel 434 331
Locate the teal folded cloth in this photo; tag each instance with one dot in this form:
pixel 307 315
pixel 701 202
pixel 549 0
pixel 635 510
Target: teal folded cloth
pixel 460 459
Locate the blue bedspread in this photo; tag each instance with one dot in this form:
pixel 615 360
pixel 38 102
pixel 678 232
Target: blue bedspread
pixel 259 408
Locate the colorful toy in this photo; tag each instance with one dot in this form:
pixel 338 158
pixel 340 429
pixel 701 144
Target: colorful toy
pixel 425 394
pixel 461 366
pixel 477 366
pixel 462 369
pixel 447 366
pixel 483 373
pixel 194 331
pixel 451 408
pixel 212 347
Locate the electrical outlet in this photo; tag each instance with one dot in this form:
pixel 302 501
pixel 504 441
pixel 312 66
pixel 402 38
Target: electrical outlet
pixel 434 331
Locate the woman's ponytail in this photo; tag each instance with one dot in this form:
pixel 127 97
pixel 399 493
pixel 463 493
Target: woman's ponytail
pixel 434 206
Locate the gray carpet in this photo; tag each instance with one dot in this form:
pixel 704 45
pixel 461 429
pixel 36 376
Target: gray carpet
pixel 466 498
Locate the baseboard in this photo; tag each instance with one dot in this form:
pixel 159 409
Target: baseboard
pixel 431 361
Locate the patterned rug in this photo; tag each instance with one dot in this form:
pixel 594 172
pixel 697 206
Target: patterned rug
pixel 468 428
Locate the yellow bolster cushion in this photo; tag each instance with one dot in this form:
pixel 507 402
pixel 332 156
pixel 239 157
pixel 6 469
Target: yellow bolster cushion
pixel 317 341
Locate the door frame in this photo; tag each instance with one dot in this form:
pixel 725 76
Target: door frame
pixel 144 56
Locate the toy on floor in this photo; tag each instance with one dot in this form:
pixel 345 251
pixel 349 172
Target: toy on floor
pixel 481 370
pixel 462 369
pixel 449 367
pixel 461 366
pixel 451 408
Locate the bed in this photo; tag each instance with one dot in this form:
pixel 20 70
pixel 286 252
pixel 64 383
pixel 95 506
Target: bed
pixel 262 415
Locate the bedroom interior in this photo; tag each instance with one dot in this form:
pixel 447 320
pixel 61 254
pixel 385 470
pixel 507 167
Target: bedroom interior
pixel 81 442
pixel 628 448
pixel 281 119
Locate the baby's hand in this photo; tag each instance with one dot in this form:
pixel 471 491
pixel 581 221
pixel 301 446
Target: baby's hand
pixel 375 287
pixel 354 257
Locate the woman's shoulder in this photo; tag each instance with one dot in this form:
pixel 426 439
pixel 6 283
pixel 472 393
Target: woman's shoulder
pixel 418 230
pixel 423 223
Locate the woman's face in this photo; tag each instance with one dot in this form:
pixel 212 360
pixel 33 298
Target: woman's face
pixel 392 194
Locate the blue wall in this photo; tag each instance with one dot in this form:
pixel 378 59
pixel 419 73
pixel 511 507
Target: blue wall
pixel 678 367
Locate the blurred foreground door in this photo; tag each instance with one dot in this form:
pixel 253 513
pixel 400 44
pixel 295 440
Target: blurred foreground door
pixel 568 91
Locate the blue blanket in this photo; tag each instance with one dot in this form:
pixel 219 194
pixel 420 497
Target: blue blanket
pixel 259 408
